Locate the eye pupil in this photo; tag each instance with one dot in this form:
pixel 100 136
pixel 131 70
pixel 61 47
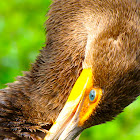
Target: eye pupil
pixel 92 95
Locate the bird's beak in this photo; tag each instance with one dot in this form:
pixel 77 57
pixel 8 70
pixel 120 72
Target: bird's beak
pixel 66 126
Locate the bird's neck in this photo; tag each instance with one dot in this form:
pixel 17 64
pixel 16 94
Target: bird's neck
pixel 50 80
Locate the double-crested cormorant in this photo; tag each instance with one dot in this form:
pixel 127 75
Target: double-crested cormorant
pixel 87 73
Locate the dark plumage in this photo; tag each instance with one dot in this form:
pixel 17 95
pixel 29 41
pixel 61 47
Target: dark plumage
pixel 101 35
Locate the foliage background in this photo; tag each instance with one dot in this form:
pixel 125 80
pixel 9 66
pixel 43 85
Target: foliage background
pixel 22 35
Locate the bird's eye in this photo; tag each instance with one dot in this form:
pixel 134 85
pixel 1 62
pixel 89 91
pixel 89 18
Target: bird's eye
pixel 92 95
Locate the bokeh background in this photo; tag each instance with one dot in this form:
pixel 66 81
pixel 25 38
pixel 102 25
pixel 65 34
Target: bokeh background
pixel 22 35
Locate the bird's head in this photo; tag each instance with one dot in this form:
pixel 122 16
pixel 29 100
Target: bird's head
pixel 109 81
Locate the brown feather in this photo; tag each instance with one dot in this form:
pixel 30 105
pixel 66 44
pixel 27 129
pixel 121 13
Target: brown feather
pixel 33 102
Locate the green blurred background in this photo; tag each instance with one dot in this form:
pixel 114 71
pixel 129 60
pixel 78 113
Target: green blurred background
pixel 22 35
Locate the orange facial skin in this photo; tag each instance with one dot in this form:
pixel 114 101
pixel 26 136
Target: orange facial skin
pixel 82 88
pixel 88 106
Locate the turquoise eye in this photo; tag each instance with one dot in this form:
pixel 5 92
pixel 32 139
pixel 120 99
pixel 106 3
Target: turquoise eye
pixel 92 95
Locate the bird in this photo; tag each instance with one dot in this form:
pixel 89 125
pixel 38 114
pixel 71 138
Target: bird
pixel 87 73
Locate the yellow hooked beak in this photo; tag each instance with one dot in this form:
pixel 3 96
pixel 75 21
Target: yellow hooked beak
pixel 69 123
